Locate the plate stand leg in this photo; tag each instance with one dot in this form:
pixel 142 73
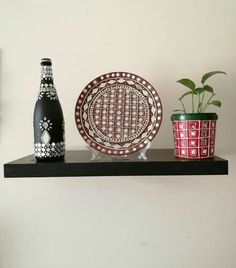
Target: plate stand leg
pixel 95 154
pixel 142 153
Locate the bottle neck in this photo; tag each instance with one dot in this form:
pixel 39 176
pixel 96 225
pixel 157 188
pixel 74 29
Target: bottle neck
pixel 47 89
pixel 46 74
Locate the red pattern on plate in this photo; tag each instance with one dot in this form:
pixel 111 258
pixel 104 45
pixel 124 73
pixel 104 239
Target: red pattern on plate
pixel 118 113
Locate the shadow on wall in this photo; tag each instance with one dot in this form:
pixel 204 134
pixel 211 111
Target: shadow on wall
pixel 0 93
pixel 12 233
pixel 7 243
pixel 2 238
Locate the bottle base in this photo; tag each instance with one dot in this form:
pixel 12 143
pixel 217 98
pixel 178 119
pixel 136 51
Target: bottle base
pixel 50 159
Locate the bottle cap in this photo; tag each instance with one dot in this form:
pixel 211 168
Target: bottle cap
pixel 46 61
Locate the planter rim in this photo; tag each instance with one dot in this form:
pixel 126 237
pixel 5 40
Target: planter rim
pixel 194 116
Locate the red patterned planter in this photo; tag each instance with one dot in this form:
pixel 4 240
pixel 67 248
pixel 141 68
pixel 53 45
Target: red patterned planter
pixel 194 135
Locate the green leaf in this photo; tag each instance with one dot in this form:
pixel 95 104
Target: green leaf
pixel 216 103
pixel 187 82
pixel 199 90
pixel 208 75
pixel 186 93
pixel 208 88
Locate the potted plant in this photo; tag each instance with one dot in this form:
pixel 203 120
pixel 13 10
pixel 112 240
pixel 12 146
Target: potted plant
pixel 194 131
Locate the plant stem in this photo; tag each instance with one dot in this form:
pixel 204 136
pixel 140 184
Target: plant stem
pixel 208 103
pixel 183 105
pixel 192 103
pixel 203 95
pixel 199 104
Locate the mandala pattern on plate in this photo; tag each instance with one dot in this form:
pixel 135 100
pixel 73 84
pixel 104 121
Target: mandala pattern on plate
pixel 118 113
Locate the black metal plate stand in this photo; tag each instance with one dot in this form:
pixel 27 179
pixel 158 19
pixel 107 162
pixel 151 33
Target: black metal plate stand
pixel 78 163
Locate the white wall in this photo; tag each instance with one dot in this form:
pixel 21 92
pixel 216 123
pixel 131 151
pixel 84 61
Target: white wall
pixel 123 222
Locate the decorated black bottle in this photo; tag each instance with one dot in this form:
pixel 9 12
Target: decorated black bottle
pixel 49 141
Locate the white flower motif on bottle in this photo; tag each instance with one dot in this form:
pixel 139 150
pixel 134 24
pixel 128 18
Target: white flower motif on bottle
pixel 45 125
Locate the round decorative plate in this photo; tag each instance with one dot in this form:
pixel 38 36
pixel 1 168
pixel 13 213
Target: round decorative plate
pixel 118 113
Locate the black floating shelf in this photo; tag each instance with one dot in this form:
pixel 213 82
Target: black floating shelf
pixel 78 163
